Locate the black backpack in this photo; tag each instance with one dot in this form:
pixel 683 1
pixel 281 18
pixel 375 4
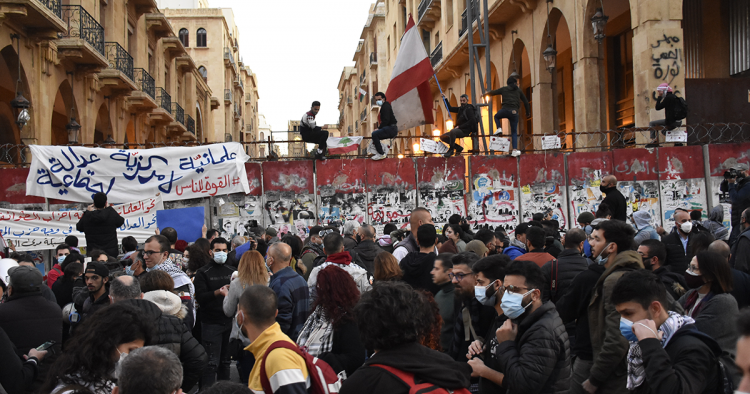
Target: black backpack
pixel 680 108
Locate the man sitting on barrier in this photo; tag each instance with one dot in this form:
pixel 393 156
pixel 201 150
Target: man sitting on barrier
pixel 387 125
pixel 466 125
pixel 313 134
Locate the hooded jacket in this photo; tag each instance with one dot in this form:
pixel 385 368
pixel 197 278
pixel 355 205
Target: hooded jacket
pixel 667 103
pixel 643 227
pixel 610 348
pixel 100 227
pixel 416 267
pixel 573 309
pixel 466 119
pixel 173 335
pixel 674 282
pixel 616 202
pixel 515 249
pixel 538 361
pixel 569 264
pixel 426 364
pixel 715 223
pixel 367 251
pixel 512 97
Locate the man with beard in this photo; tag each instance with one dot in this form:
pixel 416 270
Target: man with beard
pixel 97 282
pixel 488 238
pixel 614 199
pixel 313 249
pixel 466 125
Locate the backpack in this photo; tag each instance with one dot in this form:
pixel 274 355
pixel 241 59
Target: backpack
pixel 680 108
pixel 323 379
pixel 726 385
pixel 416 386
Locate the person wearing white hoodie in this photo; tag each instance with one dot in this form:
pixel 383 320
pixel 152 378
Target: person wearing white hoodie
pixel 644 229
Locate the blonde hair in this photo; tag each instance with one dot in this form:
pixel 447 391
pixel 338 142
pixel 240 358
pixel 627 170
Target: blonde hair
pixel 252 268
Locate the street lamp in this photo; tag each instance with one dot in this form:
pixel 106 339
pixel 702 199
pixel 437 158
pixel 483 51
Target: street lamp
pixel 514 74
pixel 599 22
pixel 449 125
pixel 416 148
pixel 72 127
pixel 549 54
pixel 20 104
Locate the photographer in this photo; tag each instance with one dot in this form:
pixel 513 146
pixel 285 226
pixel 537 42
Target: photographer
pixel 738 184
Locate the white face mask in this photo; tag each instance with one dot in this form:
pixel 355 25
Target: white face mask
pixel 118 365
pixel 686 227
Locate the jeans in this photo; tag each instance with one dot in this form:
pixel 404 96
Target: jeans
pixel 581 370
pixel 216 342
pixel 512 116
pixel 450 137
pixel 663 122
pixel 381 134
pixel 314 136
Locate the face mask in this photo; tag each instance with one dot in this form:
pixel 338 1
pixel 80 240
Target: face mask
pixel 601 260
pixel 129 270
pixel 512 304
pixel 379 102
pixel 60 259
pixel 220 257
pixel 686 227
pixel 626 328
pixel 480 293
pixel 359 239
pixel 603 188
pixel 693 281
pixel 245 340
pixel 118 365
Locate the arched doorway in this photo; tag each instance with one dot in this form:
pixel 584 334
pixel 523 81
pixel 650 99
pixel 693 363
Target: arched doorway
pixel 103 126
pixel 61 113
pixel 562 105
pixel 9 132
pixel 522 67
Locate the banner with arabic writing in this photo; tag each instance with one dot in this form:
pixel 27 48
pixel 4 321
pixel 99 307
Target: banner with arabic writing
pixel 39 230
pixel 76 173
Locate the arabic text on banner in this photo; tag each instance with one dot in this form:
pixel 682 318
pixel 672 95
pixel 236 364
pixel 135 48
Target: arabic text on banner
pixel 75 173
pixel 39 230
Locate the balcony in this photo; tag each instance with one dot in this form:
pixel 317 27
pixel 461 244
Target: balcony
pixel 248 97
pixel 143 6
pixel 363 115
pixel 191 125
pixel 215 103
pixel 475 17
pixel 249 128
pixel 35 15
pixel 158 25
pixel 363 79
pixel 227 96
pixel 437 55
pixel 177 127
pixel 119 75
pixel 178 112
pixel 173 46
pixel 237 112
pixel 163 111
pixel 228 57
pixel 373 59
pixel 82 42
pixel 429 13
pixel 349 131
pixel 144 98
pixel 185 63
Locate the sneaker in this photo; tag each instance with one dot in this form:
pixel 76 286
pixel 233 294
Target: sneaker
pixel 459 149
pixel 516 153
pixel 378 156
pixel 498 132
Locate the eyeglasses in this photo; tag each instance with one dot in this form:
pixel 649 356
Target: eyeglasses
pixel 459 276
pixel 515 289
pixel 694 269
pixel 147 253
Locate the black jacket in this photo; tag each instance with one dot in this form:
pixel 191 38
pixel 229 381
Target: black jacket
pixel 677 259
pixel 348 352
pixel 573 308
pixel 416 267
pixel 174 335
pixel 466 119
pixel 367 251
pixel 487 386
pixel 617 204
pixel 100 227
pixel 569 264
pixel 482 318
pixel 741 288
pixel 63 290
pixel 349 243
pixel 386 117
pixel 538 361
pixel 688 365
pixel 674 282
pixel 208 278
pixel 30 320
pixel 426 364
pixel 740 258
pixel 16 375
pixel 667 103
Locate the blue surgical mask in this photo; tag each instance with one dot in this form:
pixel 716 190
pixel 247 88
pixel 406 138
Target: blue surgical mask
pixel 220 257
pixel 129 270
pixel 379 102
pixel 626 328
pixel 480 293
pixel 601 260
pixel 512 304
pixel 60 259
pixel 243 338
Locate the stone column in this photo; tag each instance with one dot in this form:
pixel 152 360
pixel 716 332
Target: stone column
pixel 588 84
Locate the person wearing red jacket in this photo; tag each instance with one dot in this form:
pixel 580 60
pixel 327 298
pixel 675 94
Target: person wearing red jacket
pixel 61 252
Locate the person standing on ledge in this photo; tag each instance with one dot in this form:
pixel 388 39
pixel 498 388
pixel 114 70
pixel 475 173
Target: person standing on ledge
pixel 512 98
pixel 387 125
pixel 614 199
pixel 100 223
pixel 313 134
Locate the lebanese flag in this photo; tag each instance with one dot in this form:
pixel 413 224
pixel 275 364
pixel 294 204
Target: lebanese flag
pixel 340 146
pixel 409 91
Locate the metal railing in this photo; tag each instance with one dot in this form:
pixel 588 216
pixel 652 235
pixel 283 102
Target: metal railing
pixel 437 54
pixel 475 16
pixel 228 94
pixel 363 115
pixel 178 112
pixel 164 100
pixel 54 6
pixel 228 54
pixel 119 59
pixel 145 82
pixel 190 125
pixel 423 6
pixel 373 58
pixel 363 77
pixel 80 24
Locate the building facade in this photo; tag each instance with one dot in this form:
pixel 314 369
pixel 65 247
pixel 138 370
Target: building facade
pixel 598 82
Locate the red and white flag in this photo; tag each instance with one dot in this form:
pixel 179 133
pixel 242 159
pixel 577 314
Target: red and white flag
pixel 409 91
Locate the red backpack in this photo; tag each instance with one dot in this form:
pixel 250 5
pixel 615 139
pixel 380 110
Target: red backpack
pixel 416 386
pixel 323 379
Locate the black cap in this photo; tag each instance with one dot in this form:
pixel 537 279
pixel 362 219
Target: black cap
pixel 97 269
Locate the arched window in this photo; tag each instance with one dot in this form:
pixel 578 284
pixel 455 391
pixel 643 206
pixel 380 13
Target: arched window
pixel 203 72
pixel 185 37
pixel 201 39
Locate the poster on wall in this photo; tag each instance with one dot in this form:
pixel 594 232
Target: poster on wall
pixel 391 192
pixel 543 187
pixel 723 158
pixel 341 192
pixel 586 171
pixel 441 187
pixel 638 181
pixel 494 201
pixel 288 202
pixel 240 214
pixel 682 183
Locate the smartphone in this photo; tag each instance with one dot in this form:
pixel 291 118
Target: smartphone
pixel 45 346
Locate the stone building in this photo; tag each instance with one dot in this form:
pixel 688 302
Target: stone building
pixel 603 80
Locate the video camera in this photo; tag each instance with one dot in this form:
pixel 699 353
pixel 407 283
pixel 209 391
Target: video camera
pixel 733 174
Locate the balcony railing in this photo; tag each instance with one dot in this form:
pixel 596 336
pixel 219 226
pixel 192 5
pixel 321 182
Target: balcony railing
pixel 178 112
pixel 119 59
pixel 145 82
pixel 363 78
pixel 373 58
pixel 363 115
pixel 53 5
pixel 437 54
pixel 80 24
pixel 228 54
pixel 163 99
pixel 423 6
pixel 191 125
pixel 228 94
pixel 248 97
pixel 475 17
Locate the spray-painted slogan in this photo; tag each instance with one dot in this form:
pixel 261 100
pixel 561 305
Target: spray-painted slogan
pixel 75 173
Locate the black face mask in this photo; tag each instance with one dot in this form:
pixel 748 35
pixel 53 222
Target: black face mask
pixel 359 239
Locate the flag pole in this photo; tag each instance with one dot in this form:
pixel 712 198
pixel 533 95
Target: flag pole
pixel 444 100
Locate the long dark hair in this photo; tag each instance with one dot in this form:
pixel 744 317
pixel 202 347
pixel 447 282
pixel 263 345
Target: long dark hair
pixel 715 270
pixel 198 256
pixel 88 356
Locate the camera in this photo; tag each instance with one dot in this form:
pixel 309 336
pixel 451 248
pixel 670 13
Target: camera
pixel 733 174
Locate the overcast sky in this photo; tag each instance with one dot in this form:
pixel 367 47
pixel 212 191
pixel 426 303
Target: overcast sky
pixel 297 49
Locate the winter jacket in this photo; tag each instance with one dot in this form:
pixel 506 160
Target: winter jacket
pixel 687 365
pixel 616 202
pixel 643 227
pixel 538 256
pixel 426 364
pixel 173 334
pixel 386 243
pixel 367 251
pixel 342 260
pixel 739 195
pixel 16 375
pixel 512 97
pixel 408 245
pixel 54 274
pixel 573 308
pixel 487 386
pixel 677 258
pixel 515 249
pixel 349 243
pixel 308 120
pixel 209 278
pixel 740 259
pixel 466 119
pixel 448 247
pixel 416 267
pixel 386 116
pixel 445 300
pixel 715 223
pixel 667 103
pixel 100 227
pixel 610 348
pixel 309 253
pixel 674 282
pixel 481 318
pixel 538 361
pixel 741 288
pixel 348 352
pixel 569 264
pixel 63 290
pixel 30 320
pixel 294 301
pixel 285 369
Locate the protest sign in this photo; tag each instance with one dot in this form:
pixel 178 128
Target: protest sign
pixel 432 146
pixel 677 136
pixel 75 173
pixel 551 142
pixel 188 221
pixel 500 144
pixel 38 230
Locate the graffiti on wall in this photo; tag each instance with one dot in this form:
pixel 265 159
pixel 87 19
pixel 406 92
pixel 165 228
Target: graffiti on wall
pixel 682 182
pixel 494 201
pixel 289 212
pixel 666 58
pixel 441 188
pixel 585 196
pixel 391 194
pixel 341 192
pixel 336 208
pixel 641 195
pixel 543 187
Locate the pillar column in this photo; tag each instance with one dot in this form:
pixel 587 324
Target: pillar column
pixel 588 84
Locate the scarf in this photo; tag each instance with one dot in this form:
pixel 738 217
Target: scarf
pixel 385 240
pixel 636 371
pixel 340 258
pixel 693 298
pixel 316 336
pixel 179 277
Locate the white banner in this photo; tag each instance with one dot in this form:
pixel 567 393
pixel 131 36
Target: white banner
pixel 75 173
pixel 432 146
pixel 500 144
pixel 551 142
pixel 39 230
pixel 677 136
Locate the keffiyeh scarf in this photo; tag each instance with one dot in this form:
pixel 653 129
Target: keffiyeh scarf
pixel 636 371
pixel 316 336
pixel 179 277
